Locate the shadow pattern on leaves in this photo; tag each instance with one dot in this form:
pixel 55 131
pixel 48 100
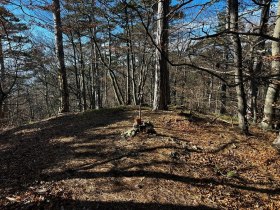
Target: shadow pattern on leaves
pixel 32 148
pixel 68 204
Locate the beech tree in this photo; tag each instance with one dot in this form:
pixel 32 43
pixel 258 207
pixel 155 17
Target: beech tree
pixel 257 62
pixel 162 89
pixel 237 56
pixel 273 88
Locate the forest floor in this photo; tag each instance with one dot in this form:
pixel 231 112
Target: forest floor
pixel 81 161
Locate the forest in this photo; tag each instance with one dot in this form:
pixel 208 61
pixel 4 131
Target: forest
pixel 139 104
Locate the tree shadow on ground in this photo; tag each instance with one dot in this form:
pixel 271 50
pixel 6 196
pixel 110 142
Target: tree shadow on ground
pixel 68 204
pixel 30 149
pixel 160 175
pixel 102 158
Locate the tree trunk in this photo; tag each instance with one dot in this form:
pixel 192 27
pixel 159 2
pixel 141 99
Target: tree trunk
pixel 97 89
pixel 2 65
pixel 116 87
pixel 128 77
pixel 223 98
pixel 237 54
pixel 2 80
pixel 65 107
pixel 82 66
pixel 273 87
pixel 210 93
pixel 161 89
pixel 92 70
pixel 77 80
pixel 257 58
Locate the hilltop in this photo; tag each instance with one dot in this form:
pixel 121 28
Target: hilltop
pixel 81 161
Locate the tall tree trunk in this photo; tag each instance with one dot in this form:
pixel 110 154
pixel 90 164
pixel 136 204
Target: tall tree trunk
pixel 95 71
pixel 223 98
pixel 116 87
pixel 237 54
pixel 223 86
pixel 82 66
pixel 2 65
pixel 161 89
pixel 2 80
pixel 65 106
pixel 128 76
pixel 77 80
pixel 210 93
pixel 257 58
pixel 92 71
pixel 273 87
pixel 98 100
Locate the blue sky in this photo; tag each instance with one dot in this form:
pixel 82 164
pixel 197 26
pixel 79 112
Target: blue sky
pixel 38 17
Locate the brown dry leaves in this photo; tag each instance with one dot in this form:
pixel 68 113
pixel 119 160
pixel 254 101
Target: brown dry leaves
pixel 81 161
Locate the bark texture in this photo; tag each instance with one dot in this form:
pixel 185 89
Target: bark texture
pixel 237 54
pixel 161 89
pixel 273 87
pixel 60 57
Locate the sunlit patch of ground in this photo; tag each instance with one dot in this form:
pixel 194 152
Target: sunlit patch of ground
pixel 81 161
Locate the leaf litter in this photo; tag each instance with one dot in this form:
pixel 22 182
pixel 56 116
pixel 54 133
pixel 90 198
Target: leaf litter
pixel 81 161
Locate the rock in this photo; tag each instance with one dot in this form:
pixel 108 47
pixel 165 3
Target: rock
pixel 144 127
pixel 130 133
pixel 276 142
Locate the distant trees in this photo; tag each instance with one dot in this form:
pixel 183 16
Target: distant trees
pixel 13 55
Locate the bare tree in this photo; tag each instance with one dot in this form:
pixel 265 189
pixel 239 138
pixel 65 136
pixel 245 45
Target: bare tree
pixel 257 52
pixel 273 87
pixel 237 56
pixel 65 107
pixel 161 91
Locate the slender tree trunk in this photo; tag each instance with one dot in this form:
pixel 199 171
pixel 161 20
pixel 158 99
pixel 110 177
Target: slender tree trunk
pixel 257 58
pixel 116 87
pixel 77 80
pixel 2 80
pixel 161 89
pixel 133 79
pixel 47 95
pixel 2 65
pixel 210 94
pixel 82 66
pixel 223 86
pixel 128 79
pixel 128 76
pixel 98 100
pixel 65 106
pixel 105 98
pixel 273 87
pixel 223 98
pixel 92 70
pixel 237 54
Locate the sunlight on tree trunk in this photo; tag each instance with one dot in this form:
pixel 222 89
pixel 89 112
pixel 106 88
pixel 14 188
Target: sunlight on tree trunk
pixel 273 87
pixel 161 90
pixel 237 56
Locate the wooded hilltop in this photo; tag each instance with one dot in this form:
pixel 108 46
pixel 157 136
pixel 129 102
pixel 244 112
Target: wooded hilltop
pixel 139 104
pixel 213 56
